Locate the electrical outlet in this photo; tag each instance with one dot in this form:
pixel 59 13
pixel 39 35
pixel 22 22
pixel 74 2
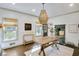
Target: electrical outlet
pixel 12 43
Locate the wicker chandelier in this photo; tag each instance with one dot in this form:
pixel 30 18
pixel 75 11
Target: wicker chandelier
pixel 43 18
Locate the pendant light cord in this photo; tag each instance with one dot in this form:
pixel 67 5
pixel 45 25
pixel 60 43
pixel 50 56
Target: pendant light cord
pixel 43 5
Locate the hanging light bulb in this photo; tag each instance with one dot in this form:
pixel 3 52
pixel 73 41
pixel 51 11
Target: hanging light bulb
pixel 43 18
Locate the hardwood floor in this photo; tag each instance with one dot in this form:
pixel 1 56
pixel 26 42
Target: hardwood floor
pixel 76 49
pixel 18 51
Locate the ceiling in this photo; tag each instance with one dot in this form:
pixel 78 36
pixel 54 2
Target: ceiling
pixel 53 9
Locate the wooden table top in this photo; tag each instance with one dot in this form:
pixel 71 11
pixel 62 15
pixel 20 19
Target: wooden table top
pixel 45 40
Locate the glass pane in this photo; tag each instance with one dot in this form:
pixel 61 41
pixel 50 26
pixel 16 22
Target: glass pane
pixel 39 30
pixel 0 41
pixel 10 33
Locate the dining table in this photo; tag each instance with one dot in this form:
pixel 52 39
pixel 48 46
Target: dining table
pixel 46 42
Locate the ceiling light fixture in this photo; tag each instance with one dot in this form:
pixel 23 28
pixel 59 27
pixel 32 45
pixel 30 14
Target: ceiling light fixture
pixel 33 10
pixel 43 18
pixel 72 4
pixel 13 3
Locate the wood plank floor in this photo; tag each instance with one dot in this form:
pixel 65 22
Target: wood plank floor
pixel 76 49
pixel 19 50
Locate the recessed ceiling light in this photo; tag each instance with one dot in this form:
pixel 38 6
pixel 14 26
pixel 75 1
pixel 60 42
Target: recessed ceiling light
pixel 72 4
pixel 33 10
pixel 13 3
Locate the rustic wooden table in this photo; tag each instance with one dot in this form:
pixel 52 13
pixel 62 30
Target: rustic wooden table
pixel 46 42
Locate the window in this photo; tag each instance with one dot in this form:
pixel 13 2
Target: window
pixel 0 38
pixel 39 30
pixel 9 29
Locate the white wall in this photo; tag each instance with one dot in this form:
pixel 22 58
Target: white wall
pixel 68 19
pixel 22 18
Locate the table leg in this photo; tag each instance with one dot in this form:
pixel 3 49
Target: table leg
pixel 56 46
pixel 42 50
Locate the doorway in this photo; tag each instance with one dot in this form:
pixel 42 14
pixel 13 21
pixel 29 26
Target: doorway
pixel 60 31
pixel 45 29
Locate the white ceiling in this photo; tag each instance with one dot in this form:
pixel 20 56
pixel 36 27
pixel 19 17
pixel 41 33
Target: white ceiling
pixel 53 9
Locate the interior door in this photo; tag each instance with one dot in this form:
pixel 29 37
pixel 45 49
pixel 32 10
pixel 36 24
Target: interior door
pixel 60 31
pixel 45 30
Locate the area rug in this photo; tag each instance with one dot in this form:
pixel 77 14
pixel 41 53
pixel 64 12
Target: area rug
pixel 51 51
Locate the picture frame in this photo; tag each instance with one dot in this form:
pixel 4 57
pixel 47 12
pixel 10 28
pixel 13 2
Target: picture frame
pixel 73 28
pixel 28 26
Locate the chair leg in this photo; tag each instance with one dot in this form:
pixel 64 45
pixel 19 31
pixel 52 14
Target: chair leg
pixel 56 46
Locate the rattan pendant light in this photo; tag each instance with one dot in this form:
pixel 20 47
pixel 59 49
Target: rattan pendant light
pixel 43 18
